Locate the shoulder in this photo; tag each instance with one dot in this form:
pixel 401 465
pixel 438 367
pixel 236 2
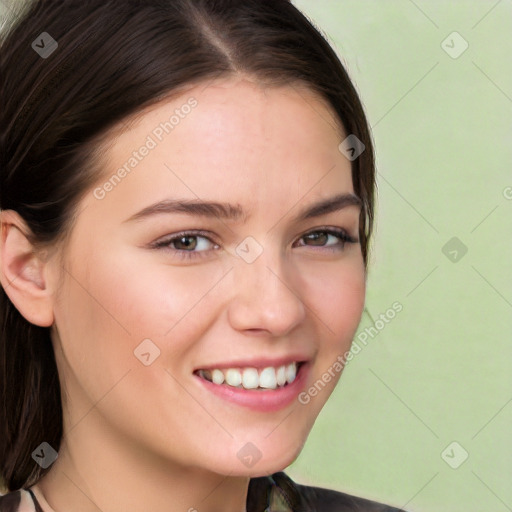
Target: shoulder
pixel 319 499
pixel 17 501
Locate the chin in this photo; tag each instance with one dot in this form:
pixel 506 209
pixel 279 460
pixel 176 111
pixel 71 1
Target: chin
pixel 253 467
pixel 274 465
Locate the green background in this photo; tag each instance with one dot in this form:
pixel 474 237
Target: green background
pixel 441 370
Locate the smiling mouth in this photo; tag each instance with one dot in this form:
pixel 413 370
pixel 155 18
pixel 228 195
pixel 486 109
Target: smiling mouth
pixel 266 379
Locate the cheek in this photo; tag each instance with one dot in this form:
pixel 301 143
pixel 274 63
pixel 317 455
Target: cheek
pixel 106 310
pixel 145 298
pixel 336 295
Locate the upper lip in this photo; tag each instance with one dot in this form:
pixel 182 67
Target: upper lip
pixel 259 363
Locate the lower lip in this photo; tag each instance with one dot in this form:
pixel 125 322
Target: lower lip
pixel 263 401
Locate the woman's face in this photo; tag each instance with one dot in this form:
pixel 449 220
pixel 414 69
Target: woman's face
pixel 143 308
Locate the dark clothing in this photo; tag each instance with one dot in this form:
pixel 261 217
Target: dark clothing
pixel 279 493
pixel 275 493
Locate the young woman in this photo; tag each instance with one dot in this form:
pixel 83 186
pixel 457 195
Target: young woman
pixel 187 191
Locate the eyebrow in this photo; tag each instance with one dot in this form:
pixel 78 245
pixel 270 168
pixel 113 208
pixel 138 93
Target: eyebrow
pixel 235 212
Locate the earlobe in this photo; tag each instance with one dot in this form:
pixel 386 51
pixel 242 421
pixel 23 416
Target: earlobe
pixel 22 271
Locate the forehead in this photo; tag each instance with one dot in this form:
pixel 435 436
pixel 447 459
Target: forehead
pixel 223 138
pixel 233 112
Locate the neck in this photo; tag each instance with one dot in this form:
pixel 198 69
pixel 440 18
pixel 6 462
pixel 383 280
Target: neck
pixel 98 470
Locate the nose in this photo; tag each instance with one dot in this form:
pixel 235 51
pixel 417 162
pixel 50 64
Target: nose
pixel 264 298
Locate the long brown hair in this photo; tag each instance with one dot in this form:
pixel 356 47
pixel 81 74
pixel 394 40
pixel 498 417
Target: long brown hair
pixel 111 59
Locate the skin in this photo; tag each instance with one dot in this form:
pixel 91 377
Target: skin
pixel 150 437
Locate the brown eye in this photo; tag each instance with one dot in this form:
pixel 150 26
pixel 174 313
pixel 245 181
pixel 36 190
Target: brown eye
pixel 318 237
pixel 186 242
pixel 187 245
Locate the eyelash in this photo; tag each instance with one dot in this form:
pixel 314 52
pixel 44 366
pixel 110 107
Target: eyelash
pixel 189 255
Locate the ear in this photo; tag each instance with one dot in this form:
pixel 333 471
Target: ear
pixel 23 272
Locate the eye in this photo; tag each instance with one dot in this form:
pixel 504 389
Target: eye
pixel 320 238
pixel 186 245
pixel 197 244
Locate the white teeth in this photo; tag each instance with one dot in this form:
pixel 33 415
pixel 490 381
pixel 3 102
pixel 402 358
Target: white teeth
pixel 233 377
pixel 268 378
pixel 217 377
pixel 281 375
pixel 249 378
pixel 291 372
